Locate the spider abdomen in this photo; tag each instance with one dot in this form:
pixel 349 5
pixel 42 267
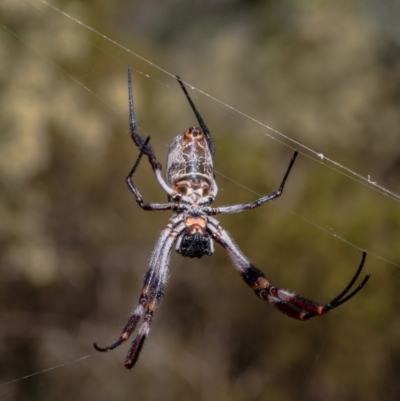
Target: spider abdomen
pixel 189 156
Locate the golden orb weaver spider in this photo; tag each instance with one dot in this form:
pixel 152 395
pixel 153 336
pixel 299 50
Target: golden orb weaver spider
pixel 191 189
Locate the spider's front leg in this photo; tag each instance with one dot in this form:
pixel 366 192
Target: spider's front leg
pixel 156 292
pixel 287 302
pixel 151 296
pixel 294 305
pixel 149 278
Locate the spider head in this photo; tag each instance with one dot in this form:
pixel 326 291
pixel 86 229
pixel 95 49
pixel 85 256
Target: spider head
pixel 195 243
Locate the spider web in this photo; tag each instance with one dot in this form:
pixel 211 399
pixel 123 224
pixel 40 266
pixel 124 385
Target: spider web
pixel 231 112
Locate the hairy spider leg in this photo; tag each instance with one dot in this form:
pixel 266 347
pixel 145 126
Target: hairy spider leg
pixel 155 298
pixel 293 305
pixel 252 205
pixel 131 323
pixel 149 282
pixel 204 128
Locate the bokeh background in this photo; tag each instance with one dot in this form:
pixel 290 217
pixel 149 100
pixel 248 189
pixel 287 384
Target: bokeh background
pixel 74 245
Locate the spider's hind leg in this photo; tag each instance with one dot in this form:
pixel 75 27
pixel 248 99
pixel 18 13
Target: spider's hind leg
pixel 140 142
pixel 143 144
pixel 203 126
pixel 135 191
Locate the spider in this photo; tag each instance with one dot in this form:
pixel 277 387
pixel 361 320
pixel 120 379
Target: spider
pixel 191 189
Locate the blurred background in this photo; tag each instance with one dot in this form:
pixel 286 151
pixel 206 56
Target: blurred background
pixel 74 245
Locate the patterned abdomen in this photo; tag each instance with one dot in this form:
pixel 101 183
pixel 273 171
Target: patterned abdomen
pixel 189 157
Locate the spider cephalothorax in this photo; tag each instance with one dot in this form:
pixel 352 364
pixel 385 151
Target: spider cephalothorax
pixel 191 189
pixel 195 241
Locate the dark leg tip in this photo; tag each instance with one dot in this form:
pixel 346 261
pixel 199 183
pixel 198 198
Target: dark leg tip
pixel 97 348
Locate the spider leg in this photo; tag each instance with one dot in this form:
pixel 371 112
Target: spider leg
pixel 141 143
pixel 338 300
pixel 210 142
pixel 155 298
pixel 135 191
pixel 150 281
pixel 251 205
pixel 204 128
pixel 131 323
pixel 293 305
